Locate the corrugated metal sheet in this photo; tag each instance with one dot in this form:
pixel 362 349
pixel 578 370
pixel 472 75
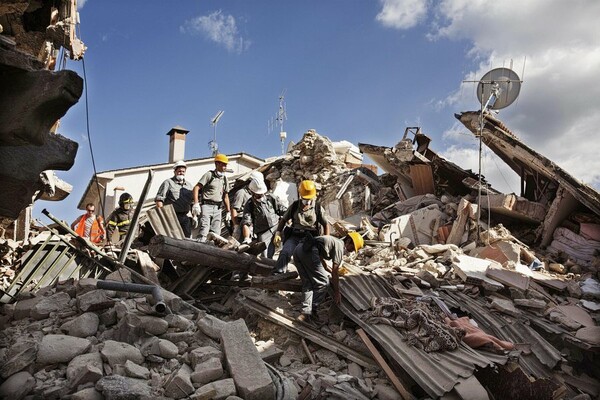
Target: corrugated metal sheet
pixel 164 222
pixel 436 373
pixel 543 357
pixel 48 262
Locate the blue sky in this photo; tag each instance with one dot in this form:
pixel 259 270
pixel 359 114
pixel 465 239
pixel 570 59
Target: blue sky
pixel 353 70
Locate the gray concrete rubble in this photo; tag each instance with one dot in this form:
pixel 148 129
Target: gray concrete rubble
pixel 451 297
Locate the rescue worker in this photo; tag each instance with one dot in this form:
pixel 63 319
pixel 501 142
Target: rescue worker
pixel 309 259
pixel 239 201
pixel 211 190
pixel 178 192
pixel 89 225
pixel 306 216
pixel 262 212
pixel 120 218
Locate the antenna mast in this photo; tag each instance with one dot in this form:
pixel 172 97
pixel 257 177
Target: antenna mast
pixel 279 119
pixel 212 145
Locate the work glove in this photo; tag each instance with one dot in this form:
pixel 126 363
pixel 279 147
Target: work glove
pixel 196 211
pixel 247 240
pixel 277 239
pixel 228 218
pixel 194 222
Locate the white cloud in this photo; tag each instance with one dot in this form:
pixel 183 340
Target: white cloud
pixel 80 4
pixel 402 14
pixel 557 112
pixel 219 28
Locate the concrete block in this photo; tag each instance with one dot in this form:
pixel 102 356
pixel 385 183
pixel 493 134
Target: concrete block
pixel 83 326
pixel 201 354
pixel 94 300
pixel 209 325
pixel 56 302
pixel 55 349
pixel 17 386
pixel 118 353
pixel 136 371
pixel 247 369
pixel 87 394
pixel 207 371
pixel 218 390
pixel 116 387
pixel 179 384
pixel 85 368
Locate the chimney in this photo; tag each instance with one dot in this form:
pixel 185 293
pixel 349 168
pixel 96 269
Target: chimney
pixel 177 143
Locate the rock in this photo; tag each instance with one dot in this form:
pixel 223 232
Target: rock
pixel 23 307
pixel 209 325
pixel 159 347
pixel 220 390
pixel 19 357
pixel 179 384
pixel 355 370
pixel 109 317
pixel 505 306
pixel 589 334
pixel 557 316
pixel 207 371
pixel 385 392
pixel 136 371
pixel 85 285
pixel 154 325
pixel 558 268
pixel 429 278
pixel 531 303
pixel 574 289
pixel 56 302
pixel 83 326
pixel 94 300
pixel 201 354
pixel 56 349
pixel 329 359
pixel 17 386
pixel 84 368
pixel 590 289
pixel 87 394
pixel 120 275
pixel 119 353
pixel 178 322
pixel 284 361
pixel 340 336
pixel 116 387
pixel 245 366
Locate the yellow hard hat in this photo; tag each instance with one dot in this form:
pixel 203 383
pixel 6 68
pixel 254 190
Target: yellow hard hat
pixel 221 158
pixel 308 190
pixel 357 239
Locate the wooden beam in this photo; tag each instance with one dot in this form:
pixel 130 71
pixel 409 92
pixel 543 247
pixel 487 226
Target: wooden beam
pixel 205 254
pixel 406 395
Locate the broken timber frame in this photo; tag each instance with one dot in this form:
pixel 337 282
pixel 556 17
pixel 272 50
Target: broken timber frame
pixel 207 255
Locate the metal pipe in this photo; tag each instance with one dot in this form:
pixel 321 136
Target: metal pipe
pixel 135 219
pixel 159 304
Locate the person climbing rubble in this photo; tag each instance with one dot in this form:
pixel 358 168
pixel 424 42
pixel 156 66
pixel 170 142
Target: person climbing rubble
pixel 178 192
pixel 262 213
pixel 309 258
pixel 212 191
pixel 120 218
pixel 89 225
pixel 306 214
pixel 239 201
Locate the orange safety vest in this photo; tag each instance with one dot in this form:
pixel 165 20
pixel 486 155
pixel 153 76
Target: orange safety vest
pixel 96 231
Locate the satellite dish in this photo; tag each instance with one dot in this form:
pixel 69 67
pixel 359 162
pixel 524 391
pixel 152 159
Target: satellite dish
pixel 499 88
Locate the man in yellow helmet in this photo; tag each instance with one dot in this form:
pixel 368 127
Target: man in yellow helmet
pixel 212 191
pixel 309 258
pixel 306 215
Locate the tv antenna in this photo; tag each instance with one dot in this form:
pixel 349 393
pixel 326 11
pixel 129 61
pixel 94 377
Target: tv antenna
pixel 212 145
pixel 497 89
pixel 279 119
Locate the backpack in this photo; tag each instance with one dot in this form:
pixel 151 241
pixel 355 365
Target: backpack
pixel 212 178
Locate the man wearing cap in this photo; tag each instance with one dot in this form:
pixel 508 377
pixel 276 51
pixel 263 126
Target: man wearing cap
pixel 262 213
pixel 211 190
pixel 309 258
pixel 306 214
pixel 178 192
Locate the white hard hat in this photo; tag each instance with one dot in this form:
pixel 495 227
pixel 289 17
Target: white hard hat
pixel 257 187
pixel 258 176
pixel 179 163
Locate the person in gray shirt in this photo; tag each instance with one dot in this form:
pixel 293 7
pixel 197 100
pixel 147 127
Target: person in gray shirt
pixel 212 190
pixel 177 192
pixel 262 213
pixel 309 258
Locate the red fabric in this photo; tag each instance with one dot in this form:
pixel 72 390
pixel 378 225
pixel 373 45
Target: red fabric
pixel 475 337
